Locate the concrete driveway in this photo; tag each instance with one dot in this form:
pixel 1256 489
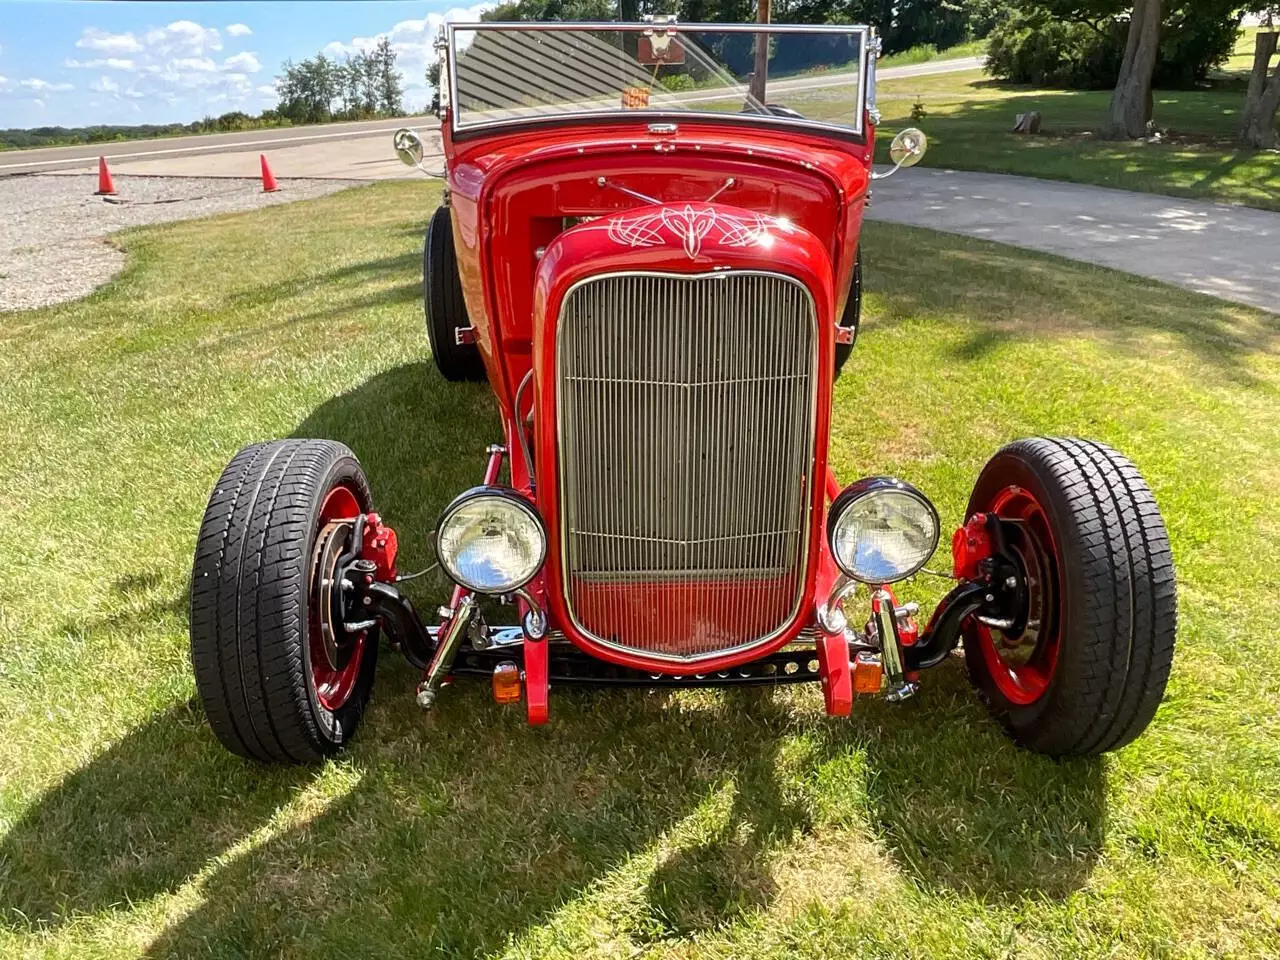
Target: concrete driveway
pixel 1225 251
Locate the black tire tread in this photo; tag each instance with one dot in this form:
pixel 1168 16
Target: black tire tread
pixel 1118 635
pixel 248 622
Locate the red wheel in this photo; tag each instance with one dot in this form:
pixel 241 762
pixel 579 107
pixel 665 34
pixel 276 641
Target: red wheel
pixel 279 678
pixel 333 658
pixel 1021 660
pixel 1082 665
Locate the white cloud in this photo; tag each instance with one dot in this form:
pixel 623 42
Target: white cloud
pixel 95 39
pixel 266 91
pixel 242 63
pixel 110 63
pixel 36 85
pixel 194 65
pixel 183 37
pixel 238 30
pixel 104 85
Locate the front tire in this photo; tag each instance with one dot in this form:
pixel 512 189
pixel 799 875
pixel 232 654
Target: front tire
pixel 1087 669
pixel 267 688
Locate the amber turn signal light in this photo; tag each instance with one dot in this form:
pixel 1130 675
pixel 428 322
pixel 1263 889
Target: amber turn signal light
pixel 867 673
pixel 506 683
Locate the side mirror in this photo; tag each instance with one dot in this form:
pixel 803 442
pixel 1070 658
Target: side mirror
pixel 409 147
pixel 908 149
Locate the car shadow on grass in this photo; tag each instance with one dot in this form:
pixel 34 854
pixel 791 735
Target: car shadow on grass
pixel 464 829
pixel 460 831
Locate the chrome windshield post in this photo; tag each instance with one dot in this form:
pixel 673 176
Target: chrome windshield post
pixel 875 47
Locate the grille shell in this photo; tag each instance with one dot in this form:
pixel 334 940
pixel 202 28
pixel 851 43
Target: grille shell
pixel 689 539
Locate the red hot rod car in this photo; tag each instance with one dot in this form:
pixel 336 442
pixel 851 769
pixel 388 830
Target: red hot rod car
pixel 649 247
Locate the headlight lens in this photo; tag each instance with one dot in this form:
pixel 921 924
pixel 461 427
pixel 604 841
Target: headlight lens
pixel 491 541
pixel 882 530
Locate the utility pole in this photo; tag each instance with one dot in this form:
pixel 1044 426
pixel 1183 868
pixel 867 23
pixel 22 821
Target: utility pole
pixel 761 72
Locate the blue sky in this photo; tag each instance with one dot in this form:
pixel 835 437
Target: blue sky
pixel 74 63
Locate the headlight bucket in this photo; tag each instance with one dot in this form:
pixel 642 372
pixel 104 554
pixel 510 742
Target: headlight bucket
pixel 491 540
pixel 882 530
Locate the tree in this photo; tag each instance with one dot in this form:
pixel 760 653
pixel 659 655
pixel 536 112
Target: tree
pixel 308 89
pixel 433 81
pixel 1131 104
pixel 390 93
pixel 350 74
pixel 1258 126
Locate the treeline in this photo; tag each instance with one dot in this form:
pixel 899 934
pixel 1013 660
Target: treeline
pixel 15 139
pixel 320 89
pixel 903 24
pixel 360 86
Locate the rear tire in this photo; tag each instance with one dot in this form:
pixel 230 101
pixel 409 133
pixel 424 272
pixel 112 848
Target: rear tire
pixel 252 629
pixel 1092 676
pixel 852 317
pixel 446 310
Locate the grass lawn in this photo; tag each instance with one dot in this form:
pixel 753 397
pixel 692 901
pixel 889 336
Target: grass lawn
pixel 970 118
pixel 688 826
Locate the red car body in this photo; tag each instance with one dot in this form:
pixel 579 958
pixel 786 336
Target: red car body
pixel 797 209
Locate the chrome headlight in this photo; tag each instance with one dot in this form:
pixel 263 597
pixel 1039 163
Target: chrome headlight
pixel 882 530
pixel 490 540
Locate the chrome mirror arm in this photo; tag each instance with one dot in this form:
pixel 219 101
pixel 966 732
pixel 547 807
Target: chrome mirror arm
pixel 908 149
pixel 887 174
pixel 411 150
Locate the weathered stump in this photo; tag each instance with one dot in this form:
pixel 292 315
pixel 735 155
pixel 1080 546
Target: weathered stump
pixel 1028 123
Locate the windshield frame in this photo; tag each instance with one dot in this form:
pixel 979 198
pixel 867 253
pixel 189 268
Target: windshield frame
pixel 855 131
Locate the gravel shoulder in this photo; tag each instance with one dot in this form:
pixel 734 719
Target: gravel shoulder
pixel 53 229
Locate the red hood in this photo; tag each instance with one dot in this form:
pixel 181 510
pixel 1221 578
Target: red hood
pixel 682 238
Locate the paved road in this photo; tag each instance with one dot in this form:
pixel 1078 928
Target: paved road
pixel 53 159
pixel 342 150
pixel 1224 251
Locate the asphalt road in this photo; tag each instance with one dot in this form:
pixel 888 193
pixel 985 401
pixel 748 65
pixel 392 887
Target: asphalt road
pixel 159 155
pixel 54 159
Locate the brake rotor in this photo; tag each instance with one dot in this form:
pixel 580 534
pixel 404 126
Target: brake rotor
pixel 331 543
pixel 1019 645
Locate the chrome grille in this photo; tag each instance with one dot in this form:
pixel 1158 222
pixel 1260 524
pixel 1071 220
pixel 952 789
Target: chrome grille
pixel 686 415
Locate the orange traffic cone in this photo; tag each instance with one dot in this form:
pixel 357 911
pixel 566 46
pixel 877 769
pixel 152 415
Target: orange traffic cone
pixel 105 186
pixel 269 184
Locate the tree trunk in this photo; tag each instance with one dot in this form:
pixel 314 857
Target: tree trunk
pixel 1258 126
pixel 1131 103
pixel 761 72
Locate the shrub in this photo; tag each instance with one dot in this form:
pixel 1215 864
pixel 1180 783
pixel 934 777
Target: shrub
pixel 1037 49
pixel 1034 47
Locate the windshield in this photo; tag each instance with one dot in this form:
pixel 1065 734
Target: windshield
pixel 504 73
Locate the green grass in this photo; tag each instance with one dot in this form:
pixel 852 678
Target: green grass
pixel 689 826
pixel 927 52
pixel 970 118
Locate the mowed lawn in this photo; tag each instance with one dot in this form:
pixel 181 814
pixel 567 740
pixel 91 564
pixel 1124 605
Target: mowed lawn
pixel 698 825
pixel 970 117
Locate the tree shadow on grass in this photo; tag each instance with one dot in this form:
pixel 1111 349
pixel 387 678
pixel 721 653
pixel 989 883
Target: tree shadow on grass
pixel 465 829
pixel 1000 294
pixel 455 832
